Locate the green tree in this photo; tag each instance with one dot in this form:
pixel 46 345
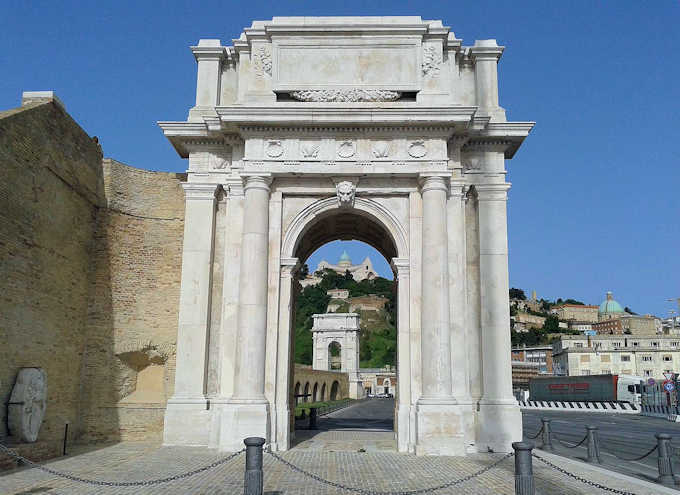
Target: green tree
pixel 517 294
pixel 551 324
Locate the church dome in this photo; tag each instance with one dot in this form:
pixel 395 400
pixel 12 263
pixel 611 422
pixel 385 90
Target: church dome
pixel 609 305
pixel 345 259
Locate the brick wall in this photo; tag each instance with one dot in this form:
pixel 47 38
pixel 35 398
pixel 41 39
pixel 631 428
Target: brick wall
pixel 129 364
pixel 50 188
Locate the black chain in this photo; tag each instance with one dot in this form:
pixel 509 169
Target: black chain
pixel 630 459
pixel 582 480
pixel 565 444
pixel 372 492
pixel 71 477
pixel 536 435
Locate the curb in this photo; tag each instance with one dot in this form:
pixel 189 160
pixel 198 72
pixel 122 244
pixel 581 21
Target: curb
pixel 634 484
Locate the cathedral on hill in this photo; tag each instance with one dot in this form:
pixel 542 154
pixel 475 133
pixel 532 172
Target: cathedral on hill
pixel 362 271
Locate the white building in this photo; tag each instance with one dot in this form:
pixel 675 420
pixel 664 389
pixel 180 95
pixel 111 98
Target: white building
pixel 362 271
pixel 617 354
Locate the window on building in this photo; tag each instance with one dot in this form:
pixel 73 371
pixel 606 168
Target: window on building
pixel 646 358
pixel 625 358
pixel 604 358
pixel 616 344
pixel 578 344
pixel 674 344
pixel 635 344
pixel 585 358
pixel 668 371
pixel 585 372
pixel 648 372
pixel 668 358
pixel 606 372
pixel 655 344
pixel 627 372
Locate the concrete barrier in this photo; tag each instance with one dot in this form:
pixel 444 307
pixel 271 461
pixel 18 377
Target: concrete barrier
pixel 601 406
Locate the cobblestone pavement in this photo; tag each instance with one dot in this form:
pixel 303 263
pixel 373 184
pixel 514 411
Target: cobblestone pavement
pixel 370 471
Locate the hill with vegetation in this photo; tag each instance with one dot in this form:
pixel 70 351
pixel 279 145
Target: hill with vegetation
pixel 378 341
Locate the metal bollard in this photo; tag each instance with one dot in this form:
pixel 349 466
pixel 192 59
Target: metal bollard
pixel 524 471
pixel 665 466
pixel 546 437
pixel 312 418
pixel 593 445
pixel 254 482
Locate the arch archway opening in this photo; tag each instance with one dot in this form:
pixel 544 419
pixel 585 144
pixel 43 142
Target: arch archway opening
pixel 334 356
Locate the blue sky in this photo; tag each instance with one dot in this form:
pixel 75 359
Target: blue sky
pixel 596 187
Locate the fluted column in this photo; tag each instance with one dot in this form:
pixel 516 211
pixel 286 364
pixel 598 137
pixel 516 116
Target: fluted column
pixel 435 344
pixel 252 308
pixel 500 418
pixel 439 429
pixel 402 268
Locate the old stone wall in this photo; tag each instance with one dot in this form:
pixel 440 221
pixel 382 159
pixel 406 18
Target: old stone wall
pixel 306 378
pixel 129 363
pixel 50 189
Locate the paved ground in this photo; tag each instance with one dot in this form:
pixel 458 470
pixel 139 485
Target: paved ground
pixel 378 470
pixel 368 425
pixel 625 435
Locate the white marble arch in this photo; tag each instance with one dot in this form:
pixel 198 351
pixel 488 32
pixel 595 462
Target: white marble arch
pixel 293 252
pixel 288 151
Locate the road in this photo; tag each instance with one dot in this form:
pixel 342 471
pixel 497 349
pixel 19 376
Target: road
pixel 625 435
pixel 371 414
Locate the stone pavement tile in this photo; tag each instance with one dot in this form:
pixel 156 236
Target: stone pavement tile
pixel 369 471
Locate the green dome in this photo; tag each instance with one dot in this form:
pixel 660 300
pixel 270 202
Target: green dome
pixel 609 305
pixel 345 257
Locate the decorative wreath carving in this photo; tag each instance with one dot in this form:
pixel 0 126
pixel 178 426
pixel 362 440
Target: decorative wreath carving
pixel 346 95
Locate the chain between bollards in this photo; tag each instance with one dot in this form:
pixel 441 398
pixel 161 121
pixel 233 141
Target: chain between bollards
pixel 524 471
pixel 254 480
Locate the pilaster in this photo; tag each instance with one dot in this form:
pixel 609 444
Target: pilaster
pixel 188 403
pixel 485 54
pixel 209 55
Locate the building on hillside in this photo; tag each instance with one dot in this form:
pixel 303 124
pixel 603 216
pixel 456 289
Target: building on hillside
pixel 628 324
pixel 532 304
pixel 576 312
pixel 581 326
pixel 367 303
pixel 539 355
pixel 522 372
pixel 362 271
pixel 609 309
pixel 379 380
pixel 649 356
pixel 338 293
pixel 525 321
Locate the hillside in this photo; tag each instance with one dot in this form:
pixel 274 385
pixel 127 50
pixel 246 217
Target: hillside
pixel 378 342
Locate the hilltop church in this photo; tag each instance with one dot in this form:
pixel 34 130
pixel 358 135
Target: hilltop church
pixel 362 271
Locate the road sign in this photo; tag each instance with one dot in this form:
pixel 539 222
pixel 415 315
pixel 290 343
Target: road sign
pixel 668 386
pixel 651 381
pixel 669 376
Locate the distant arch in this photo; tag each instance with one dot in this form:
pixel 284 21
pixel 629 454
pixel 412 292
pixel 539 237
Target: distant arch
pixel 335 355
pixel 297 393
pixel 323 392
pixel 334 390
pixel 306 393
pixel 314 392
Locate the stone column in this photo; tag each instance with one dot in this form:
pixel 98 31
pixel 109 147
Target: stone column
pixel 440 430
pixel 281 435
pixel 486 54
pixel 186 417
pixel 401 267
pixel 460 377
pixel 499 415
pixel 247 412
pixel 209 55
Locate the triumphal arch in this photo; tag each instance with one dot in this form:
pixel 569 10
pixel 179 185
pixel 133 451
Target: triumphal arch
pixel 383 129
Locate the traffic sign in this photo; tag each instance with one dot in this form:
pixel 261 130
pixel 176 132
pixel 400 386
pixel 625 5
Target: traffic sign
pixel 669 376
pixel 651 381
pixel 668 386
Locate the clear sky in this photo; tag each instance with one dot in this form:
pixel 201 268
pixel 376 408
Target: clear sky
pixel 595 201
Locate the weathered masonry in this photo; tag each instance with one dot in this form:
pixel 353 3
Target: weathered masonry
pixel 383 129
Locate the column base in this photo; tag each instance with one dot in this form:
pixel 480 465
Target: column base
pixel 241 419
pixel 404 428
pixel 440 428
pixel 281 419
pixel 498 425
pixel 187 422
pixel 356 389
pixel 468 411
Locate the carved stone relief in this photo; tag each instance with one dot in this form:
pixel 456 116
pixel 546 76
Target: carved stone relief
pixel 219 161
pixel 417 149
pixel 346 149
pixel 381 149
pixel 345 191
pixel 431 61
pixel 472 163
pixel 274 148
pixel 345 95
pixel 26 408
pixel 262 61
pixel 309 149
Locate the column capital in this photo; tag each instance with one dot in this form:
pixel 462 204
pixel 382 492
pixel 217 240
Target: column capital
pixel 289 266
pixel 402 266
pixel 197 191
pixel 458 189
pixel 233 186
pixel 257 181
pixel 492 192
pixel 209 50
pixel 486 50
pixel 434 181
